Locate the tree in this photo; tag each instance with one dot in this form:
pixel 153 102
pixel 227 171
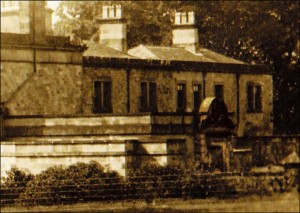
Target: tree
pixel 258 32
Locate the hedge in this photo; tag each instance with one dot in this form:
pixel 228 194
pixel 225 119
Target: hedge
pixel 83 182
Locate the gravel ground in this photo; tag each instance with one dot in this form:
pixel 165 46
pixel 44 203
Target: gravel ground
pixel 285 202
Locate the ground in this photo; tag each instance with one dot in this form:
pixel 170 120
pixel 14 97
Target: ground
pixel 285 202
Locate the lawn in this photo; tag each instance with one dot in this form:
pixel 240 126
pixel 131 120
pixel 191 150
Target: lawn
pixel 280 202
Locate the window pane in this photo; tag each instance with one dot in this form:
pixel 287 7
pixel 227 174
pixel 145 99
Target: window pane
pixel 258 102
pixel 107 96
pixel 219 92
pixel 152 96
pixel 181 97
pixel 97 95
pixel 144 96
pixel 197 96
pixel 250 101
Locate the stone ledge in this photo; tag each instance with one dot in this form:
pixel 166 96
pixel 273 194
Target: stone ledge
pixel 87 154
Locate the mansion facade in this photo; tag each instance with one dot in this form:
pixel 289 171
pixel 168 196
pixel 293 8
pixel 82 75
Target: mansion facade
pixel 125 108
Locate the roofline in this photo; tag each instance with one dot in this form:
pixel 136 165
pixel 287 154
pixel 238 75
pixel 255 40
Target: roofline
pixel 131 63
pixel 14 40
pixel 121 52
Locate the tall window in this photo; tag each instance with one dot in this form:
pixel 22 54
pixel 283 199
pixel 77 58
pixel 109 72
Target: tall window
pixel 102 97
pixel 181 97
pixel 197 89
pixel 115 10
pixel 219 91
pixel 254 99
pixel 148 97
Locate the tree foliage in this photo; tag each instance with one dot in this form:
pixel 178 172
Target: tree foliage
pixel 258 32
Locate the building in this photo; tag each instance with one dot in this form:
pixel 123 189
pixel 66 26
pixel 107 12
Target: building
pixel 15 17
pixel 126 109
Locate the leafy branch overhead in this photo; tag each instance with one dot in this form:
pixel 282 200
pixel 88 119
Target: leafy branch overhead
pixel 257 32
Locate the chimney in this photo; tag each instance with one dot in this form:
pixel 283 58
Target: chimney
pixel 48 17
pixel 185 32
pixel 112 29
pixel 37 21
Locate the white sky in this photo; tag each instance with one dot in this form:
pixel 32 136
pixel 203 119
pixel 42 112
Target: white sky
pixel 53 5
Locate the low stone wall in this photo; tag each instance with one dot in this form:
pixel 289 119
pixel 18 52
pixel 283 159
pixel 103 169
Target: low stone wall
pixel 119 153
pixel 270 149
pixel 104 124
pixel 71 126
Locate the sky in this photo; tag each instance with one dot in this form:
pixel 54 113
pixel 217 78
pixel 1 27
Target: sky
pixel 53 5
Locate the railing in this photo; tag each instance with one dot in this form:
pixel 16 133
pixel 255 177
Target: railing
pixel 65 191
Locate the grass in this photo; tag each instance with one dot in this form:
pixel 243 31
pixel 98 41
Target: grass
pixel 280 202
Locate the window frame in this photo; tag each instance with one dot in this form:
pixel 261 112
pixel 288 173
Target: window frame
pixel 104 106
pixel 148 105
pixel 200 93
pixel 184 108
pixel 223 88
pixel 256 98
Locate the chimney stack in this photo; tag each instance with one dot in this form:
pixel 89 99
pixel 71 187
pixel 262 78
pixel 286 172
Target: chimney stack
pixel 112 29
pixel 38 22
pixel 185 32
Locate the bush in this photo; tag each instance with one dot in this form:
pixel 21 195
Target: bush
pixel 153 181
pixel 13 185
pixel 83 182
pixel 79 182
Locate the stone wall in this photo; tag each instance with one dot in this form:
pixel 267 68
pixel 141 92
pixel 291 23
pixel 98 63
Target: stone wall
pixel 229 82
pixel 119 88
pixel 256 124
pixel 78 126
pixel 166 88
pixel 167 80
pixel 13 75
pixel 41 82
pixel 54 89
pixel 113 153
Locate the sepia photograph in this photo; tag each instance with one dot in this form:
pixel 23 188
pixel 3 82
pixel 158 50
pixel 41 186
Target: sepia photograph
pixel 150 106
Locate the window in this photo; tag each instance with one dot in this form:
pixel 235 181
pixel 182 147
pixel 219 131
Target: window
pixel 148 97
pixel 108 11
pixel 254 100
pixel 102 97
pixel 219 91
pixel 115 10
pixel 181 97
pixel 184 17
pixel 197 96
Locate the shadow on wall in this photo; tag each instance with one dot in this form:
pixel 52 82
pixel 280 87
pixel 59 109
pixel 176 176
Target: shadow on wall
pixel 141 154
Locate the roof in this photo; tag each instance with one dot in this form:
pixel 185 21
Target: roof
pixel 180 54
pixel 98 50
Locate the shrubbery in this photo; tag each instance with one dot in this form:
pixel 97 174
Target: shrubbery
pixel 79 182
pixel 13 185
pixel 83 182
pixel 155 182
